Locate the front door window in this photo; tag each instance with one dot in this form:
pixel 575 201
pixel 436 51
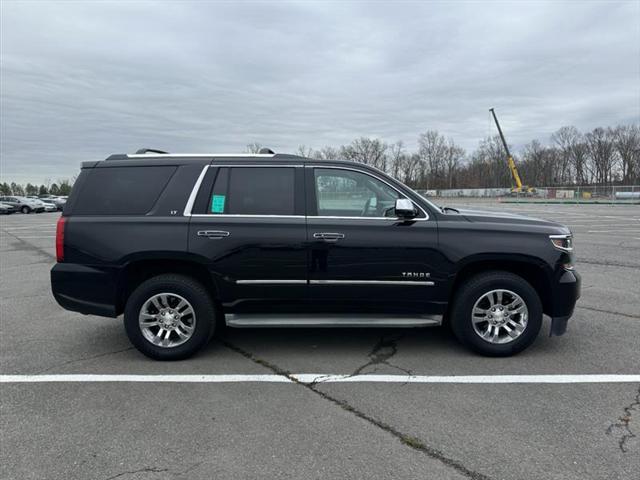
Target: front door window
pixel 346 193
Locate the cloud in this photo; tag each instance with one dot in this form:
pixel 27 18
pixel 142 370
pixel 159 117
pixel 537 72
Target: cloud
pixel 80 81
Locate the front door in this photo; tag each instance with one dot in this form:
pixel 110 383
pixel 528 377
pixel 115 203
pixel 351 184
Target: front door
pixel 361 257
pixel 248 226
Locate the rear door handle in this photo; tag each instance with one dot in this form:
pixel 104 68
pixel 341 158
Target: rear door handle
pixel 213 234
pixel 328 236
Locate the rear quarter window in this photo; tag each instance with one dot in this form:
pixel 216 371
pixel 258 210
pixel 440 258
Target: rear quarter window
pixel 121 190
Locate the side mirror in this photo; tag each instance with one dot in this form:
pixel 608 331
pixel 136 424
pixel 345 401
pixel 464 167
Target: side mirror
pixel 404 208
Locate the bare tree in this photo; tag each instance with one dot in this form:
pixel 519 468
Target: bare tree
pixel 602 154
pixel 411 170
pixel 397 157
pixel 432 149
pixel 627 144
pixel 370 151
pixel 327 153
pixel 305 151
pixel 488 166
pixel 564 139
pixel 253 147
pixel 453 158
pixel 540 165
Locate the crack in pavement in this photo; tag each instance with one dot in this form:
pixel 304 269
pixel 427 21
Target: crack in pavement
pixel 29 246
pixel 142 470
pixel 623 424
pixel 321 379
pixel 606 264
pixel 407 440
pixel 382 352
pixel 26 296
pixel 82 359
pixel 157 470
pixel 629 315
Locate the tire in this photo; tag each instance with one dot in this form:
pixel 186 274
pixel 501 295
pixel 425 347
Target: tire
pixel 169 291
pixel 492 333
pixel 25 210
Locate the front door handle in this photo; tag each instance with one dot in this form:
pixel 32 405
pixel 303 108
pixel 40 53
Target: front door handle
pixel 213 234
pixel 328 236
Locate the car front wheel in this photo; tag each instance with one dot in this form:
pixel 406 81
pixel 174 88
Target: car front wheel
pixel 25 210
pixel 496 314
pixel 169 317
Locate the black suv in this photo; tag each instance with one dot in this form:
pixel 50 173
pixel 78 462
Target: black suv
pixel 185 244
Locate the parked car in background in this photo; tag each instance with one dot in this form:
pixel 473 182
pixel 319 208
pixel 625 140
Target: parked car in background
pixel 24 204
pixel 49 206
pixel 6 209
pixel 58 200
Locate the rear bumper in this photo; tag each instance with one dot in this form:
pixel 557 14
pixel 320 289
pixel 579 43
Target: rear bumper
pixel 566 293
pixel 83 289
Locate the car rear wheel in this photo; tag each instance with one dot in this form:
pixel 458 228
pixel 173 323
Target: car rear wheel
pixel 169 317
pixel 496 314
pixel 25 210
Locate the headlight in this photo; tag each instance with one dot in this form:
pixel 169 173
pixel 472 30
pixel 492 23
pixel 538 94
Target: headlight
pixel 562 242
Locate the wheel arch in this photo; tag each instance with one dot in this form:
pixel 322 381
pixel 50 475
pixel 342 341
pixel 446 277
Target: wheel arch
pixel 139 269
pixel 533 270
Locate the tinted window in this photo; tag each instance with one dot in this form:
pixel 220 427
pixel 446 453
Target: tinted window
pixel 253 191
pixel 122 190
pixel 345 193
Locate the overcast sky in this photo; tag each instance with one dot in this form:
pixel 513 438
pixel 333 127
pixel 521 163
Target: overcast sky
pixel 82 80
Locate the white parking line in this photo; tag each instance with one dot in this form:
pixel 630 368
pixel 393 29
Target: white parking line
pixel 626 230
pixel 323 378
pixel 25 227
pixel 34 236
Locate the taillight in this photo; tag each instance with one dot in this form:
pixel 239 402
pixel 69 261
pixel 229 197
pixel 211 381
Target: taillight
pixel 60 239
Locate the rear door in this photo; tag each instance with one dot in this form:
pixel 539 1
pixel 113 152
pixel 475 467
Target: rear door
pixel 363 258
pixel 248 226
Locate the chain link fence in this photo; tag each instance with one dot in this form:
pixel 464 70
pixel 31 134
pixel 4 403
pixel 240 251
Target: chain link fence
pixel 572 194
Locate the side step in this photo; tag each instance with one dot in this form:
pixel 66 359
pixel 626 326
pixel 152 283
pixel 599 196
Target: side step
pixel 327 320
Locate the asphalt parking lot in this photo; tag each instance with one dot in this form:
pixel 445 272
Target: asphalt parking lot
pixel 309 427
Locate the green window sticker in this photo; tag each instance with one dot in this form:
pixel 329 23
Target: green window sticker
pixel 217 204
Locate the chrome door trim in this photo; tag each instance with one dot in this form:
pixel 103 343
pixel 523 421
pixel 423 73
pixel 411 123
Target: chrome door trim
pixel 243 215
pixel 393 219
pixel 427 283
pixel 256 165
pixel 196 188
pixel 194 192
pixel 271 282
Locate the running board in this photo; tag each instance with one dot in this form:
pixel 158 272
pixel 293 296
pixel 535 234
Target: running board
pixel 305 320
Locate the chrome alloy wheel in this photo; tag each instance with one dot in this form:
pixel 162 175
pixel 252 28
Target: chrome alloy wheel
pixel 167 320
pixel 499 316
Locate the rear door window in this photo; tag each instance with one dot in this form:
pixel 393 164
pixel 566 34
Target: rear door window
pixel 253 191
pixel 122 190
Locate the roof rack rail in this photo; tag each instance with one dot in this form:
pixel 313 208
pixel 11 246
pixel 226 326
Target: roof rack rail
pixel 264 150
pixel 149 150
